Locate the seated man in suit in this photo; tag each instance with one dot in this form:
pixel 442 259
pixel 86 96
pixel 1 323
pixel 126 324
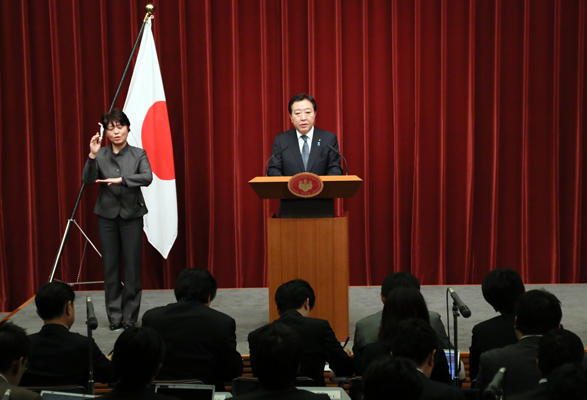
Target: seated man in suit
pixel 295 300
pixel 200 341
pixel 392 378
pixel 415 340
pixel 275 359
pixel 568 382
pixel 537 313
pixel 367 329
pixel 15 347
pixel 501 288
pixel 558 347
pixel 58 356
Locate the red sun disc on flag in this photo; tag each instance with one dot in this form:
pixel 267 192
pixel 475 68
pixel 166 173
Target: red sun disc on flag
pixel 156 138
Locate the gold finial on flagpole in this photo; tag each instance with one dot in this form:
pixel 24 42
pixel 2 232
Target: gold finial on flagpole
pixel 150 8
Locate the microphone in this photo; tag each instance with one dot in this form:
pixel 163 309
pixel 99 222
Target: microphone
pixel 495 388
pixel 340 154
pixel 274 155
pixel 92 321
pixel 464 310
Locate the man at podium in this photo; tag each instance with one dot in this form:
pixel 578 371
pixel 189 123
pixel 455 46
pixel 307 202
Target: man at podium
pixel 304 148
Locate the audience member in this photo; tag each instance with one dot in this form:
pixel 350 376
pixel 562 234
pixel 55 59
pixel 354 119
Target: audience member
pixel 13 360
pixel 200 341
pixel 415 340
pixel 556 348
pixel 276 358
pixel 537 313
pixel 392 378
pixel 138 355
pixel 367 329
pixel 401 304
pixel 501 288
pixel 568 382
pixel 58 356
pixel 295 300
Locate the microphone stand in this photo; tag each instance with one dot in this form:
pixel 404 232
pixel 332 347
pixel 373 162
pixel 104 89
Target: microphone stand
pixel 456 363
pixel 150 9
pixel 91 388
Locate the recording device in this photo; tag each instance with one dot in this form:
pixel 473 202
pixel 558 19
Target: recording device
pixel 495 389
pixel 340 154
pixel 92 321
pixel 274 155
pixel 463 309
pixel 101 131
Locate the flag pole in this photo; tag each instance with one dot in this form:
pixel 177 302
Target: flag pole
pixel 150 8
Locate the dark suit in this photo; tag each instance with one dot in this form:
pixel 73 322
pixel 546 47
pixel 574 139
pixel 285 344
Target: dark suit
pixel 540 392
pixel 320 346
pixel 286 394
pixel 200 342
pixel 322 160
pixel 17 393
pixel 432 390
pixel 520 362
pixel 494 333
pixel 120 209
pixel 60 357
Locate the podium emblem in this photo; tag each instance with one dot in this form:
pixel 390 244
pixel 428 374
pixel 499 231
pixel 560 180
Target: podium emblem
pixel 305 185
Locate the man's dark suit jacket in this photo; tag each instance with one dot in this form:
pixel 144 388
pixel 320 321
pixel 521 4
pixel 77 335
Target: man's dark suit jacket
pixel 60 357
pixel 432 390
pixel 286 394
pixel 322 160
pixel 17 393
pixel 520 362
pixel 200 343
pixel 540 392
pixel 492 334
pixel 320 346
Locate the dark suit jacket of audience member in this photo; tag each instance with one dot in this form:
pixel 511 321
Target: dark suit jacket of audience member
pixel 492 334
pixel 440 372
pixel 285 394
pixel 520 362
pixel 200 343
pixel 540 392
pixel 127 393
pixel 432 390
pixel 320 345
pixel 17 393
pixel 60 357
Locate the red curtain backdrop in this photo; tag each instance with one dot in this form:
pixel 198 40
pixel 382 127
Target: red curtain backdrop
pixel 465 119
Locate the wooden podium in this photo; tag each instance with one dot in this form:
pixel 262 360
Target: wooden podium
pixel 313 249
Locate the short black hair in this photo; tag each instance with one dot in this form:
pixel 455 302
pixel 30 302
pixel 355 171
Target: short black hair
pixel 52 298
pixel 300 97
pixel 292 295
pixel 195 284
pixel 559 347
pixel 399 279
pixel 501 288
pixel 276 354
pixel 138 353
pixel 567 382
pixel 402 303
pixel 392 378
pixel 413 339
pixel 116 115
pixel 537 312
pixel 14 343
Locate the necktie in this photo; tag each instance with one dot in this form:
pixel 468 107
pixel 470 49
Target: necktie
pixel 305 152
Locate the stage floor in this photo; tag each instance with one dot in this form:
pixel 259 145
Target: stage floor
pixel 250 309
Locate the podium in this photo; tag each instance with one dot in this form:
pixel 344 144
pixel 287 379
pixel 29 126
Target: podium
pixel 313 249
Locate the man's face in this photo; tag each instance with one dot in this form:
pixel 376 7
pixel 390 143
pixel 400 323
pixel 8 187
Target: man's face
pixel 302 116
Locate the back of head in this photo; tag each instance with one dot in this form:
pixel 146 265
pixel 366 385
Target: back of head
pixel 537 312
pixel 293 294
pixel 52 298
pixel 392 378
pixel 413 339
pixel 399 279
pixel 14 344
pixel 502 288
pixel 401 304
pixel 559 347
pixel 196 284
pixel 138 353
pixel 568 382
pixel 276 356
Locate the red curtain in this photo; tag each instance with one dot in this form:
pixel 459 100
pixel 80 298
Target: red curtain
pixel 465 119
